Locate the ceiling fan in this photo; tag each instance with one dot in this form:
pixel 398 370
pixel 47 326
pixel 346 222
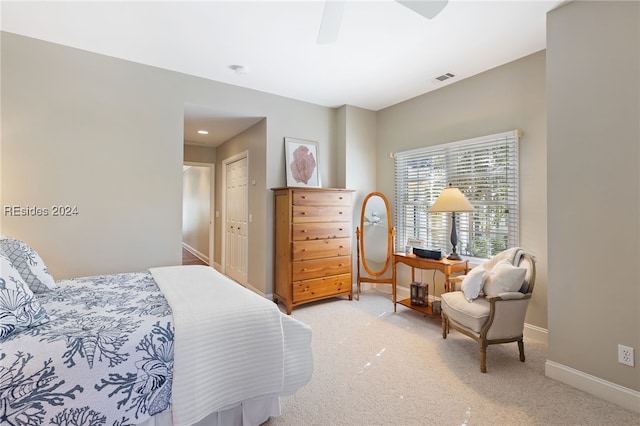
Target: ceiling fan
pixel 333 9
pixel 374 220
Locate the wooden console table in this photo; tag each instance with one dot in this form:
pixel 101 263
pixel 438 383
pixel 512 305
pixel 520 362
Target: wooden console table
pixel 444 265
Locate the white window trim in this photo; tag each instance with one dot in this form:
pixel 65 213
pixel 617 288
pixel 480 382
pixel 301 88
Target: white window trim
pixel 412 201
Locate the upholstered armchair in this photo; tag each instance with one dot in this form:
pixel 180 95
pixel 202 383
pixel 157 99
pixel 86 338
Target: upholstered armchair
pixel 490 302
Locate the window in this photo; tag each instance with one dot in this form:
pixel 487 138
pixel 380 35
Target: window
pixel 485 170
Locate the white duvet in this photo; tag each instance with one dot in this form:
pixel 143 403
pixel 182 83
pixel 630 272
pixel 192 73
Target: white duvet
pixel 241 355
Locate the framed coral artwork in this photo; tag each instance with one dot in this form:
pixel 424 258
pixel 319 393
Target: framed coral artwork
pixel 301 158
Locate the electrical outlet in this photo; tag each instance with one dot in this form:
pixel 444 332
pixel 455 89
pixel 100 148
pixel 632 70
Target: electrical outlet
pixel 625 355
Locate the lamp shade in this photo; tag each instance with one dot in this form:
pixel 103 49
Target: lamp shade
pixel 451 200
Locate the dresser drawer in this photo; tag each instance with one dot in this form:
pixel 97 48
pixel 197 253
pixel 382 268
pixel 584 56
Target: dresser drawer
pixel 313 198
pixel 308 269
pixel 320 230
pixel 321 287
pixel 302 214
pixel 317 249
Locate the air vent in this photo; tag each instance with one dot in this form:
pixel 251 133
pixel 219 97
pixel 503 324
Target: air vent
pixel 444 77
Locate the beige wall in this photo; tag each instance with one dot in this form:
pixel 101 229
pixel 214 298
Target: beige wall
pixel 360 137
pixel 93 132
pixel 199 154
pixel 505 98
pixel 360 153
pixel 593 92
pixel 106 135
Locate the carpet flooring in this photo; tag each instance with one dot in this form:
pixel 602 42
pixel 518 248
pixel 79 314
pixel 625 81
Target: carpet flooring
pixel 374 367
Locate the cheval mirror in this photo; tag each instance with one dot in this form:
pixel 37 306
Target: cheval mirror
pixel 375 240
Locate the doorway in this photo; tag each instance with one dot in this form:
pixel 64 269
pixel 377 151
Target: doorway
pixel 197 213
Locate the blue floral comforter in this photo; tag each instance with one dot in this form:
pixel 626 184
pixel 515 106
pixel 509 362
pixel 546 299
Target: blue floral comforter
pixel 104 358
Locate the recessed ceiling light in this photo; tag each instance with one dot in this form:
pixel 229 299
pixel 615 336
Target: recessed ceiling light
pixel 203 132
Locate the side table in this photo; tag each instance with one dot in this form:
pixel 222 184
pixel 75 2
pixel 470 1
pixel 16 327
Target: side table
pixel 444 265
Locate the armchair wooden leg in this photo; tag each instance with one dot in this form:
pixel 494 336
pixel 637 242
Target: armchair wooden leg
pixel 521 349
pixel 444 326
pixel 483 358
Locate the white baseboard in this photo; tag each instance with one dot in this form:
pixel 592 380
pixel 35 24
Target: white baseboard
pixel 536 333
pixel 401 291
pixel 624 397
pixel 196 253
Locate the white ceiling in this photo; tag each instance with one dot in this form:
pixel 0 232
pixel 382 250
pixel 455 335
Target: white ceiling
pixel 221 125
pixel 385 53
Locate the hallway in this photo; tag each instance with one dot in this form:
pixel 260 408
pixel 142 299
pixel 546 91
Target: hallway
pixel 190 259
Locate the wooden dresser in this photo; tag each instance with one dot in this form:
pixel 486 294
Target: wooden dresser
pixel 312 239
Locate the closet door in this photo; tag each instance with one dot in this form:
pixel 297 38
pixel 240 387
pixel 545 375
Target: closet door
pixel 236 220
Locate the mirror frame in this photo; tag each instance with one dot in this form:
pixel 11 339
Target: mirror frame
pixel 390 233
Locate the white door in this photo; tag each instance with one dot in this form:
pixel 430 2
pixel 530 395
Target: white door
pixel 236 220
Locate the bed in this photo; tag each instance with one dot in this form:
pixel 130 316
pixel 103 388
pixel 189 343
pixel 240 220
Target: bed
pixel 176 345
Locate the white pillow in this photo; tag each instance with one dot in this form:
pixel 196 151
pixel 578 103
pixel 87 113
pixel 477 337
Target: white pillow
pixel 28 263
pixel 19 309
pixel 504 277
pixel 473 282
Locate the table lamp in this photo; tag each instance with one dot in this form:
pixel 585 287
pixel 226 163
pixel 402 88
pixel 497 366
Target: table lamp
pixel 454 201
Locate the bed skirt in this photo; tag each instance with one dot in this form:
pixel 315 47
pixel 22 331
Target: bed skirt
pixel 252 412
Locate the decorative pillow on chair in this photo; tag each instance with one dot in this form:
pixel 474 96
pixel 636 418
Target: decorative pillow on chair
pixel 504 277
pixel 19 308
pixel 28 263
pixel 473 283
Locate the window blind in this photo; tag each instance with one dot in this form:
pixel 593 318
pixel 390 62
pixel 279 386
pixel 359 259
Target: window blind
pixel 486 171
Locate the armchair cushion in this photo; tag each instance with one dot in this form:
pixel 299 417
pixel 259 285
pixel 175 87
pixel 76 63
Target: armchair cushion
pixel 504 277
pixel 471 315
pixel 473 282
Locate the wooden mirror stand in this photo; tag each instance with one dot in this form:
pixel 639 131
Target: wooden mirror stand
pixel 375 240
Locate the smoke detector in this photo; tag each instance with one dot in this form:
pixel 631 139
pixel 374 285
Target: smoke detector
pixel 239 69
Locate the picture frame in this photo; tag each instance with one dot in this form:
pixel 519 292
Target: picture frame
pixel 301 163
pixel 413 242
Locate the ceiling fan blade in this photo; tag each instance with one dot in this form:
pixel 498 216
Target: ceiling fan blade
pixel 331 19
pixel 427 8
